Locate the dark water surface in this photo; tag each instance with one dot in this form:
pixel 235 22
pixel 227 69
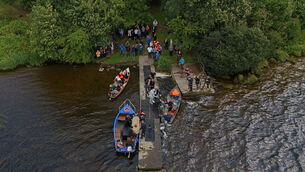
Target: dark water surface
pixel 60 119
pixel 257 127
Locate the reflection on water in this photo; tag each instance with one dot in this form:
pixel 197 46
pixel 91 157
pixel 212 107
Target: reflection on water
pixel 60 118
pixel 250 128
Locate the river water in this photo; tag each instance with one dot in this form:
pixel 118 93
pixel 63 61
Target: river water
pixel 258 127
pixel 59 118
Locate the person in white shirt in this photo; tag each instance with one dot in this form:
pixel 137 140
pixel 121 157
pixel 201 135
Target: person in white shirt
pixel 149 50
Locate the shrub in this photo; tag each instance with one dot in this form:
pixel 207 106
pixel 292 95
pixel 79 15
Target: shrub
pixel 281 55
pixel 295 50
pixel 164 64
pixel 76 48
pixel 234 50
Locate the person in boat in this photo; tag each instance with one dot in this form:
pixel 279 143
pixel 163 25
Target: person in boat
pixel 121 75
pixel 125 74
pixel 118 80
pixel 113 89
pixel 166 117
pixel 170 105
pixel 175 94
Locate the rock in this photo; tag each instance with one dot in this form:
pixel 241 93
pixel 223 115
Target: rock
pixel 240 77
pixel 107 69
pixel 118 69
pixel 251 79
pixel 112 68
pixel 225 77
pixel 101 69
pixel 292 60
pixel 134 66
pixel 228 86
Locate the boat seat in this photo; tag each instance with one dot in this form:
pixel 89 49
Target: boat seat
pixel 122 117
pixel 117 134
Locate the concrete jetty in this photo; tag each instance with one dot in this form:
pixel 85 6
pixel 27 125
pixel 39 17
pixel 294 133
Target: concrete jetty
pixel 179 76
pixel 150 156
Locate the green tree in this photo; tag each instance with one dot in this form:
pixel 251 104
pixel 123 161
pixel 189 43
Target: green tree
pixel 76 48
pixel 234 50
pixel 45 32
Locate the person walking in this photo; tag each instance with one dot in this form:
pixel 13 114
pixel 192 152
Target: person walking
pixel 181 61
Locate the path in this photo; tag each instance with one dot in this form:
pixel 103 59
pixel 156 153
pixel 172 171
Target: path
pixel 150 157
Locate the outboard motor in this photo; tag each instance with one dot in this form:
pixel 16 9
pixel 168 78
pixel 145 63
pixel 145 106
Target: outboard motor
pixel 129 149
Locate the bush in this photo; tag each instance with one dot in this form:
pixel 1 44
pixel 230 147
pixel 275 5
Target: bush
pixel 234 50
pixel 76 48
pixel 281 55
pixel 18 27
pixel 295 50
pixel 164 64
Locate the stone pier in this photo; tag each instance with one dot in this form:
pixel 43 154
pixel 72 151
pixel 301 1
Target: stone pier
pixel 179 76
pixel 150 156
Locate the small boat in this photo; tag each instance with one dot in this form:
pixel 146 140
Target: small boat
pixel 126 129
pixel 174 97
pixel 114 94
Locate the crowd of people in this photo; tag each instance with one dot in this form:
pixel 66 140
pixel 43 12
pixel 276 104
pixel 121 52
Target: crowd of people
pixel 136 34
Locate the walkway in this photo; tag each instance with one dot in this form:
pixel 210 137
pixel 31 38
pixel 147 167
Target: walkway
pixel 150 157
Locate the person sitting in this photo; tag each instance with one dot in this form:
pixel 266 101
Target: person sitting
pixel 167 117
pixel 114 92
pixel 125 74
pixel 170 105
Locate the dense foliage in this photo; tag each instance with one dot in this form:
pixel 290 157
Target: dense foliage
pixel 281 21
pixel 69 31
pixel 64 31
pixel 233 50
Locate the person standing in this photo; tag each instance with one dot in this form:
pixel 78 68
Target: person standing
pixel 190 79
pixel 143 31
pixel 149 51
pixel 171 49
pixel 122 47
pixel 155 24
pixel 133 51
pixel 121 33
pixel 147 30
pixel 127 46
pixel 148 41
pixel 158 55
pixel 197 81
pixel 179 56
pixel 155 36
pixel 208 81
pixel 166 43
